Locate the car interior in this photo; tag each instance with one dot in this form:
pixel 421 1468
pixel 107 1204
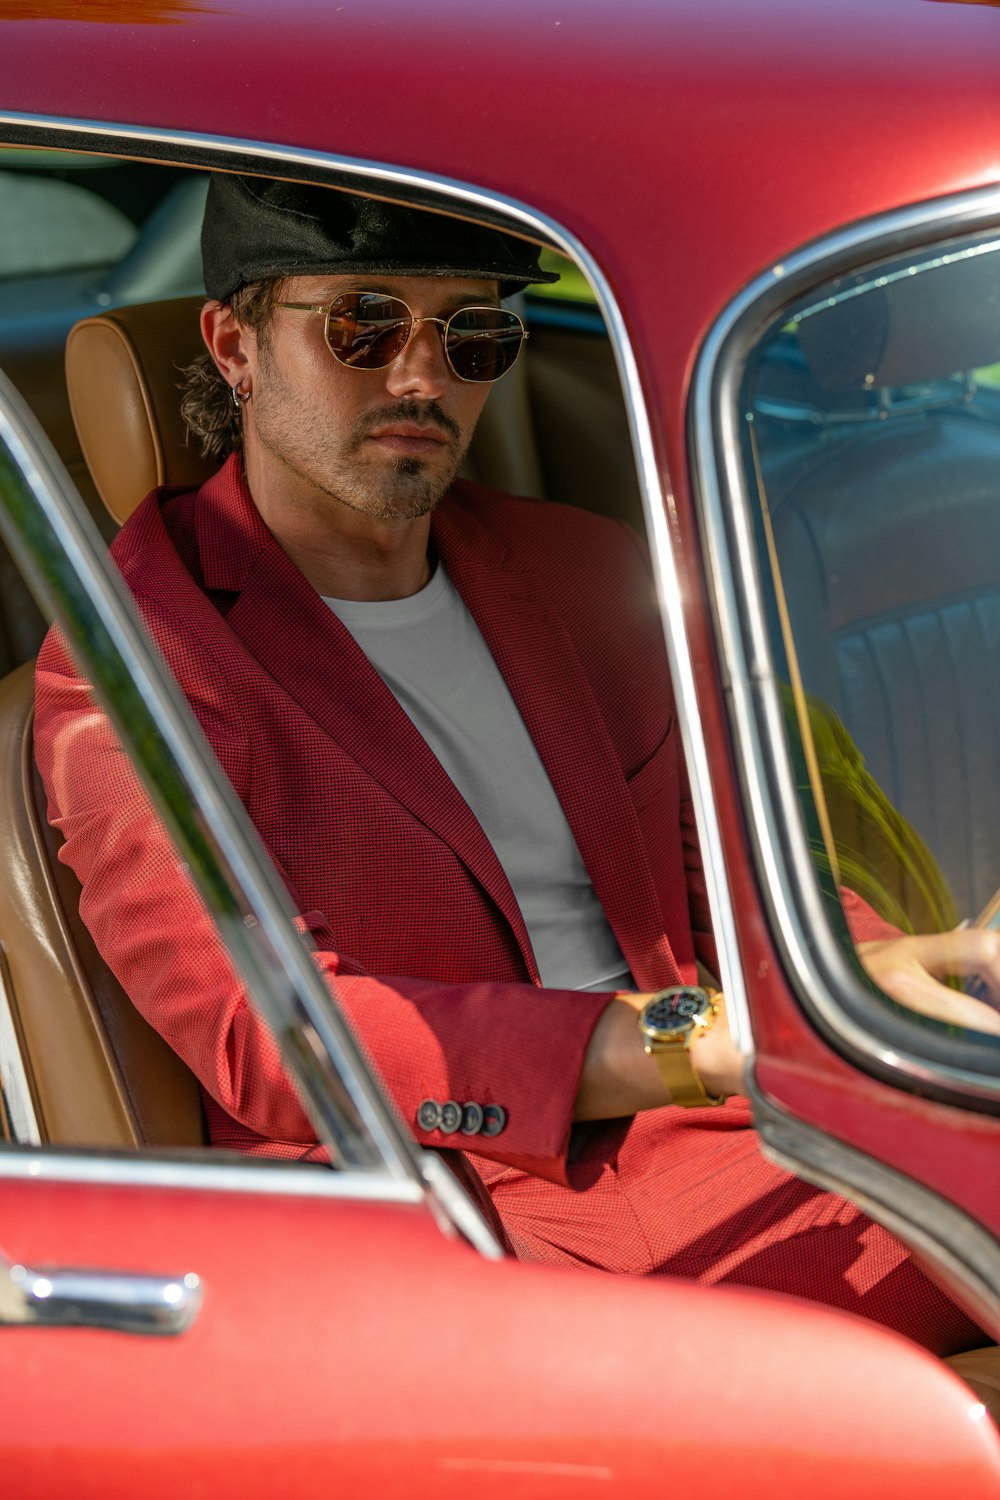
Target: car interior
pixel 105 390
pixel 877 416
pixel 99 368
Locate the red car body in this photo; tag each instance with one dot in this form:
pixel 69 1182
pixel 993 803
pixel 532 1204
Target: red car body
pixel 344 1343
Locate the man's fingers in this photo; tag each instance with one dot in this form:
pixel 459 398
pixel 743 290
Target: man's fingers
pixel 919 991
pixel 967 952
pixel 955 951
pixel 910 970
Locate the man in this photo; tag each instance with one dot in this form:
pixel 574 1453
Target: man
pixel 448 713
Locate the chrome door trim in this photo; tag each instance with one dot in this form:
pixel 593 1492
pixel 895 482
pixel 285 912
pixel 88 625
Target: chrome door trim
pixel 654 484
pixel 228 1174
pixel 827 987
pixel 965 1256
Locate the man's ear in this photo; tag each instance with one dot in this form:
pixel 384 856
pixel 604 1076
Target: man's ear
pixel 227 342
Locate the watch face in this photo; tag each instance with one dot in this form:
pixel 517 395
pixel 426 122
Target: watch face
pixel 676 1011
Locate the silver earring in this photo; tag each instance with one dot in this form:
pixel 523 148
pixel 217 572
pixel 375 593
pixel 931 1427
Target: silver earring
pixel 239 398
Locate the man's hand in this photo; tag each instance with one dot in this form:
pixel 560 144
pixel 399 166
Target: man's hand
pixel 910 970
pixel 619 1078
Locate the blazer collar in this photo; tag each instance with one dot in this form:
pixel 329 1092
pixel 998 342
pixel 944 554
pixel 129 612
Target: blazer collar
pixel 228 526
pixel 301 643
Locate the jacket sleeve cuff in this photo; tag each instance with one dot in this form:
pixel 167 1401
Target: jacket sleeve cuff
pixel 512 1052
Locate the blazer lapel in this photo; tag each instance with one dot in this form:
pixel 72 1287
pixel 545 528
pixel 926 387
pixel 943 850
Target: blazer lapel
pixel 543 671
pixel 298 640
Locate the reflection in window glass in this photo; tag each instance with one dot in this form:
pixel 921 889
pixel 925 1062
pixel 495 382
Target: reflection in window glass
pixel 572 285
pixel 873 432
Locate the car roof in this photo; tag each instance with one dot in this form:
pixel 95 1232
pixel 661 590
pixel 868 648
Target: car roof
pixel 708 137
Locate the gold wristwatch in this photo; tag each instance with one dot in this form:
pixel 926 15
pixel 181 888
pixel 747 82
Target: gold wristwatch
pixel 669 1023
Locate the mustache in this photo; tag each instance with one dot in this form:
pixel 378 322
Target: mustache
pixel 428 413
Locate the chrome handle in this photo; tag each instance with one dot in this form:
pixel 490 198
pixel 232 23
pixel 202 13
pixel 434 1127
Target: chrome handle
pixel 64 1297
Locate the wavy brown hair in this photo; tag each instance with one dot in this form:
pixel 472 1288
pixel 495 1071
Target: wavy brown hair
pixel 210 417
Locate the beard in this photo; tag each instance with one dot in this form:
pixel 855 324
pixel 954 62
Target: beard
pixel 413 494
pixel 337 466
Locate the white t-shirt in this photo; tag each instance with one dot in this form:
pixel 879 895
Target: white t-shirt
pixel 430 654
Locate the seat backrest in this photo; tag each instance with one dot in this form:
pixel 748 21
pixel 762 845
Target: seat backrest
pixel 98 1074
pixel 122 374
pixel 888 539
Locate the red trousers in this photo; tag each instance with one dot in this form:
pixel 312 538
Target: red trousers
pixel 689 1193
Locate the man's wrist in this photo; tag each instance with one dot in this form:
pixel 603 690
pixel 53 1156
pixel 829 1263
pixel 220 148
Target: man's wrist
pixel 619 1077
pixel 669 1024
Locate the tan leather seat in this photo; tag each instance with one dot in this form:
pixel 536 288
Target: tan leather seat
pixel 97 1073
pixel 122 375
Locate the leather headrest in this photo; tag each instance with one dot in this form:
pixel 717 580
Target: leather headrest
pixel 122 374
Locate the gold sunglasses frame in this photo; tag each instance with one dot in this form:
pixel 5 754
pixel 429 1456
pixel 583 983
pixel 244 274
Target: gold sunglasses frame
pixel 326 308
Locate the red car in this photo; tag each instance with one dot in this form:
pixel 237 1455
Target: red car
pixel 776 351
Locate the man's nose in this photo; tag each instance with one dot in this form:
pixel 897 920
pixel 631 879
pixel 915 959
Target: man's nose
pixel 421 369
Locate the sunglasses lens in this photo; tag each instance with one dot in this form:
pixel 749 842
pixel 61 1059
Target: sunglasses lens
pixel 483 342
pixel 366 330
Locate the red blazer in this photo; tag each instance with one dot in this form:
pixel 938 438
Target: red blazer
pixel 413 917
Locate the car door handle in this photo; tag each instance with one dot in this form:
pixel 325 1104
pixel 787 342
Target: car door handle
pixel 129 1302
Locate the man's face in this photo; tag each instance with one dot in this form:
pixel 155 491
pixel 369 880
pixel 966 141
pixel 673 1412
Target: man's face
pixel 385 443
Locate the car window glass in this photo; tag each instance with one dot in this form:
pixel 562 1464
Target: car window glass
pixel 872 439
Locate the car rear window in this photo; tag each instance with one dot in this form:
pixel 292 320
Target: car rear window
pixel 871 442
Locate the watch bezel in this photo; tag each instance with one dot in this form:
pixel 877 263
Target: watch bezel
pixel 673 1025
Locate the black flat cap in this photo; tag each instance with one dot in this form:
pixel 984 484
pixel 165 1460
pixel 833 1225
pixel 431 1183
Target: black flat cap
pixel 257 228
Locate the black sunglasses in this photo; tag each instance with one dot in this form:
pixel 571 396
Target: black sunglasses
pixel 368 330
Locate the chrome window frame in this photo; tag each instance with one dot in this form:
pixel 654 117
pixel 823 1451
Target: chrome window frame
pixel 209 151
pixel 829 990
pixel 176 1172
pixel 17 1102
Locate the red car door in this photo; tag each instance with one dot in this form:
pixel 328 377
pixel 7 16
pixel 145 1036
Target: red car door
pixel 342 1342
pixel 844 425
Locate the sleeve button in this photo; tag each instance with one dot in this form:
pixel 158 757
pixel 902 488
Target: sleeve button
pixel 451 1117
pixel 429 1115
pixel 494 1119
pixel 472 1118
